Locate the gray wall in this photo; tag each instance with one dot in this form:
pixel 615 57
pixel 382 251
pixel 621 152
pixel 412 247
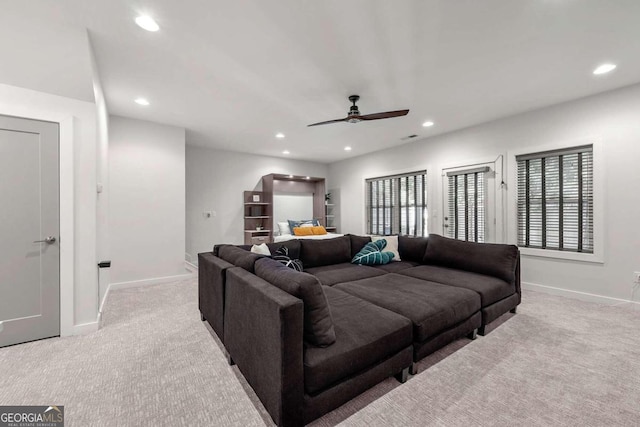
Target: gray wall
pixel 215 182
pixel 612 117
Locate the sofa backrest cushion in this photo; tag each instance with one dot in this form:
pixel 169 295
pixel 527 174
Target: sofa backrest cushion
pixel 318 324
pixel 316 253
pixel 357 243
pixel 412 248
pixel 495 260
pixel 292 245
pixel 239 257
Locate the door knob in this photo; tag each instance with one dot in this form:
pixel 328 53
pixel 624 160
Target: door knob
pixel 48 239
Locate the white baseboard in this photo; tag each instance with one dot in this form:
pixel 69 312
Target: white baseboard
pixel 85 328
pixel 148 282
pixel 191 266
pixel 583 296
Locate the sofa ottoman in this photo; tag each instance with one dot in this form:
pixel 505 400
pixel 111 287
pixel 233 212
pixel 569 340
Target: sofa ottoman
pixel 438 312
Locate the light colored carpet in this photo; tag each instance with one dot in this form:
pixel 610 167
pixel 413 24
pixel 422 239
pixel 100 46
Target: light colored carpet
pixel 557 362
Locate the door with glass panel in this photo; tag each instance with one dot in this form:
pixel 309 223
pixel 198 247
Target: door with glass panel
pixel 29 225
pixel 469 204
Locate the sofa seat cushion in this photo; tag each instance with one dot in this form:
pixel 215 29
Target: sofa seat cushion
pixel 432 307
pixel 329 275
pixel 395 267
pixel 491 289
pixel 365 335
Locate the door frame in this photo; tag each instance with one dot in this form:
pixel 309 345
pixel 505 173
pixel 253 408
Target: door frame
pixel 66 192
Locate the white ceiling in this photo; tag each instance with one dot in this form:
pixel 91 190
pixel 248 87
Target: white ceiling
pixel 234 73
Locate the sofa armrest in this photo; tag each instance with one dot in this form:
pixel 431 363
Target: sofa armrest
pixel 211 288
pixel 264 336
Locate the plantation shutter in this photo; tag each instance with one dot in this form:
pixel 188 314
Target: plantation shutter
pixel 397 204
pixel 555 200
pixel 467 201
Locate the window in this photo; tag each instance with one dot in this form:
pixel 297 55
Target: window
pixel 397 204
pixel 555 200
pixel 466 204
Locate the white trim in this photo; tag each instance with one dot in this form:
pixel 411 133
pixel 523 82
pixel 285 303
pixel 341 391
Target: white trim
pixel 85 328
pixel 148 282
pixel 598 200
pixel 67 235
pixel 191 267
pixel 583 296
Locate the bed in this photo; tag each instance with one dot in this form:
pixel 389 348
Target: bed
pixel 285 237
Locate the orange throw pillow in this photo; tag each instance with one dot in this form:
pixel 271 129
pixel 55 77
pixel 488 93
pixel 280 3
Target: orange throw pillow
pixel 303 231
pixel 318 230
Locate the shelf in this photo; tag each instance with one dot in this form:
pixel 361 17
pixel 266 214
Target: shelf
pixel 256 217
pixel 329 216
pixel 257 231
pixel 256 203
pixel 329 204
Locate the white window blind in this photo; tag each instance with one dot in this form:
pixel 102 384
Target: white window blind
pixel 555 200
pixel 467 201
pixel 397 204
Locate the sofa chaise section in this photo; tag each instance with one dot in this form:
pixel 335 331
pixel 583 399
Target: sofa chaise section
pixel 491 270
pixel 296 380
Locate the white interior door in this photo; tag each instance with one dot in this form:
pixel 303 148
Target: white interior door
pixel 29 224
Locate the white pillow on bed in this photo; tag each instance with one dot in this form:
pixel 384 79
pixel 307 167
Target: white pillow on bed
pixel 392 245
pixel 283 228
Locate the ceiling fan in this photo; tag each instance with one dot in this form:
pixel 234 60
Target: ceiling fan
pixel 354 115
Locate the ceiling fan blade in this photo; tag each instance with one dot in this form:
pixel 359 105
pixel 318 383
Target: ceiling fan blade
pixel 386 115
pixel 329 121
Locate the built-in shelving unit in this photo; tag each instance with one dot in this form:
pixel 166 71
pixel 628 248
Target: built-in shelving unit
pixel 257 217
pixel 330 218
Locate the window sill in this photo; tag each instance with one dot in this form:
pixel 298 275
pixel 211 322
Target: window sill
pixel 594 258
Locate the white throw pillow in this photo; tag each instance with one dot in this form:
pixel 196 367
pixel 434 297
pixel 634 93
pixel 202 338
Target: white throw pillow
pixel 262 249
pixel 283 228
pixel 392 245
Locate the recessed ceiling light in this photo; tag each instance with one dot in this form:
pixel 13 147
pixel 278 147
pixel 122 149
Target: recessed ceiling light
pixel 347 148
pixel 280 135
pixel 142 101
pixel 285 152
pixel 604 69
pixel 428 124
pixel 290 176
pixel 147 22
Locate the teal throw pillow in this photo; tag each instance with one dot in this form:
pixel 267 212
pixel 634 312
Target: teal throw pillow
pixel 372 254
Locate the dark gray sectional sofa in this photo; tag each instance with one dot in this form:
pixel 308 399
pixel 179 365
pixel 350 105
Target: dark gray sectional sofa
pixel 307 342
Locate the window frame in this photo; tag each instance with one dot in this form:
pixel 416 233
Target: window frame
pixel 598 201
pixel 395 175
